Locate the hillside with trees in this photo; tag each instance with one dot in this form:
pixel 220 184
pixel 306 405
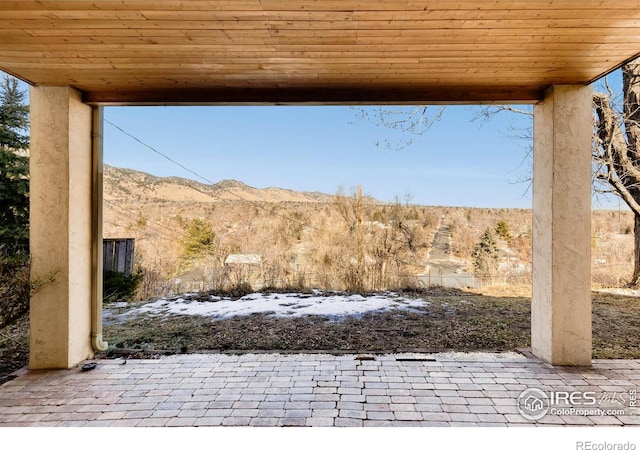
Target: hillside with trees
pixel 326 242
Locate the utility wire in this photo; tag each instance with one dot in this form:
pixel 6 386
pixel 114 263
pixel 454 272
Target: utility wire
pixel 221 189
pixel 158 152
pixel 111 205
pixel 159 232
pixel 126 213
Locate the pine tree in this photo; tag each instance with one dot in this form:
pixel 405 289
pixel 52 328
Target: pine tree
pixel 485 254
pixel 502 228
pixel 14 116
pixel 199 239
pixel 14 168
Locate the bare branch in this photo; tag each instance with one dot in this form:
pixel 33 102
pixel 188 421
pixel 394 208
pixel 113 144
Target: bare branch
pixel 616 153
pixel 414 120
pixel 489 112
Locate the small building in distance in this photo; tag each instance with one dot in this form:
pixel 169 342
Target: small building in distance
pixel 243 259
pixel 245 267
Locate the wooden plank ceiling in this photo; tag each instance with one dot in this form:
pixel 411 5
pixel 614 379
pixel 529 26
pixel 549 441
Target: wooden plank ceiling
pixel 315 51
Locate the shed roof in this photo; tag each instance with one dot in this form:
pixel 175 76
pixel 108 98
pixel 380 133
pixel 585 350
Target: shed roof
pixel 315 51
pixel 243 258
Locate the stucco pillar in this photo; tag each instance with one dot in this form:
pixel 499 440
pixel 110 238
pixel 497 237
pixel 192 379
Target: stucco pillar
pixel 60 228
pixel 561 304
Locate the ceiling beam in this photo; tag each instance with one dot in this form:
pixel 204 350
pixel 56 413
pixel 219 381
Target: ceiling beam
pixel 356 95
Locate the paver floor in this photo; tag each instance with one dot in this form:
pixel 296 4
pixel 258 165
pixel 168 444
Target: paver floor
pixel 274 390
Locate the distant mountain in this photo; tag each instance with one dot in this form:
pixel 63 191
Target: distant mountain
pixel 121 184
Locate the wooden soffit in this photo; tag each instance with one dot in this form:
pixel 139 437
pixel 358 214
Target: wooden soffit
pixel 315 51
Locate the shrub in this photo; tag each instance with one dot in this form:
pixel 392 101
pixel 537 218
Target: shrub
pixel 485 254
pixel 198 240
pixel 153 284
pixel 15 288
pixel 502 229
pixel 119 286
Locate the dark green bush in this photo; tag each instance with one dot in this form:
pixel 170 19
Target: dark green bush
pixel 15 287
pixel 118 286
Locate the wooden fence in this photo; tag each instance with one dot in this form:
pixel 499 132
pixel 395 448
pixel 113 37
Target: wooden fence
pixel 118 255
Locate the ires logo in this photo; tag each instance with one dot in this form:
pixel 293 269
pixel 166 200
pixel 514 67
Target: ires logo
pixel 573 398
pixel 534 403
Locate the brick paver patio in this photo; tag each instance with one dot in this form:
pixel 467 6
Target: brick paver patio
pixel 273 390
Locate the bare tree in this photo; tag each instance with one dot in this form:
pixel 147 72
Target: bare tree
pixel 615 145
pixel 616 149
pixel 377 255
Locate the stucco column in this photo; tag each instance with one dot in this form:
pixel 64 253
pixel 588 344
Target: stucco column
pixel 60 228
pixel 561 304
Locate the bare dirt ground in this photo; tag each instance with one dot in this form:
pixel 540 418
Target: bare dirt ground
pixel 453 320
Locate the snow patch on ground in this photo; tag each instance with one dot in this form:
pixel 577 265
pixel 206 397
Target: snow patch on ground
pixel 280 305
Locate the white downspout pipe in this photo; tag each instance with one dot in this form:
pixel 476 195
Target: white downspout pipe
pixel 97 168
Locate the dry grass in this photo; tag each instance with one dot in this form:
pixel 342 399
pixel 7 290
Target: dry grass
pixel 616 326
pixel 14 348
pixel 449 320
pixel 459 321
pixel 315 245
pixel 15 285
pixel 318 244
pixel 505 290
pixel 311 245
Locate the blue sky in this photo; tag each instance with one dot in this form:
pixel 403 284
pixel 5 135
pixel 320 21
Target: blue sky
pixel 457 162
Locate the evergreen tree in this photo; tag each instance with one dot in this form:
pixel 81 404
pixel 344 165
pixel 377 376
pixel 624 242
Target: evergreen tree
pixel 485 254
pixel 199 239
pixel 14 116
pixel 14 168
pixel 502 228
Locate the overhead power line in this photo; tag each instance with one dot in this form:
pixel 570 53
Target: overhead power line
pixel 157 231
pixel 158 152
pixel 221 189
pixel 111 205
